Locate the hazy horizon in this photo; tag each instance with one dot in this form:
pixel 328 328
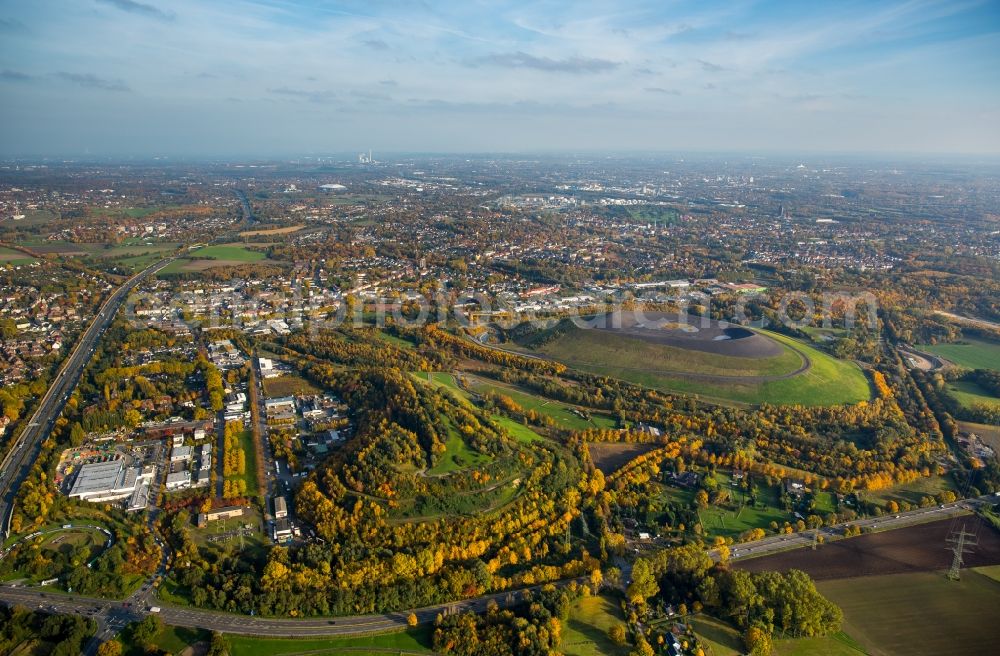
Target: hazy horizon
pixel 276 78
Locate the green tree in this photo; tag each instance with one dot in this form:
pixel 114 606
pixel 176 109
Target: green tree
pixel 643 585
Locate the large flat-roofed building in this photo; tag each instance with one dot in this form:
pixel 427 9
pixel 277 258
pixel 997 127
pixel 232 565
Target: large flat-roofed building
pixel 280 406
pixel 280 507
pixel 105 481
pixel 180 454
pixel 140 498
pixel 179 480
pixel 282 530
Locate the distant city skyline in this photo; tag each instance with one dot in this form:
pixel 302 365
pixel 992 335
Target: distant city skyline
pixel 281 77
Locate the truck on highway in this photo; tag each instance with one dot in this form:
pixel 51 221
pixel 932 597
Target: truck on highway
pixel 154 609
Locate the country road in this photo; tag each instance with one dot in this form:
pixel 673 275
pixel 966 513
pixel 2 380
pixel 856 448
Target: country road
pixel 21 456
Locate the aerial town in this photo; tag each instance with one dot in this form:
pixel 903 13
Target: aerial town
pixel 724 361
pixel 556 328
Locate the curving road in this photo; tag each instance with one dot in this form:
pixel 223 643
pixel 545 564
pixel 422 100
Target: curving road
pixel 17 463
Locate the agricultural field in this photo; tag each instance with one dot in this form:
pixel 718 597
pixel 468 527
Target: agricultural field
pixel 271 231
pixel 907 550
pixel 208 257
pixel 970 352
pixel 61 248
pixel 13 257
pixel 134 255
pixel 749 368
pixel 920 613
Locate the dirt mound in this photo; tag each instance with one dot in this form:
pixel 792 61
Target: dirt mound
pixel 687 332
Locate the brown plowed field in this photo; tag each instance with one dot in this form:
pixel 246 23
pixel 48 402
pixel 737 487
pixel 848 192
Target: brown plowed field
pixel 609 457
pixel 918 548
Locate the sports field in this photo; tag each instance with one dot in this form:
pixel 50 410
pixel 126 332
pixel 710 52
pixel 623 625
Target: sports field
pixel 970 352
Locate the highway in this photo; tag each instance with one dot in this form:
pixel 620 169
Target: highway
pixel 112 615
pixel 21 456
pixel 247 211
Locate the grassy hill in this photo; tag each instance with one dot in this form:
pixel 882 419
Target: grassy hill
pixel 828 381
pixel 596 348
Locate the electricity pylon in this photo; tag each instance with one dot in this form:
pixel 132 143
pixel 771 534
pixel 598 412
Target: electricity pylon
pixel 960 543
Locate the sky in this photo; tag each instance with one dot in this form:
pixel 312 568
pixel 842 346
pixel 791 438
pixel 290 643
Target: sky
pixel 265 78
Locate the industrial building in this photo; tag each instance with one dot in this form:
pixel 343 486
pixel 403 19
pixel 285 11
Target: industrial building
pixel 109 481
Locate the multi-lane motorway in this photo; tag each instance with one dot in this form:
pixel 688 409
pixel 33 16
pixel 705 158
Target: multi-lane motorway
pixel 19 459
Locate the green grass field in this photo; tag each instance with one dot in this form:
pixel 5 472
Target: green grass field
pixel 560 413
pixel 585 633
pixel 211 256
pixel 968 393
pixel 386 644
pixel 919 614
pixel 12 257
pixel 719 638
pixel 234 252
pixel 914 490
pixel 458 455
pixel 736 516
pixel 970 352
pixel 829 381
pixel 175 639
